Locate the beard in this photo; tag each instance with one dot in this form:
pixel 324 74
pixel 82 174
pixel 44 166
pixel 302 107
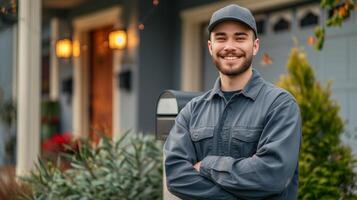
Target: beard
pixel 234 70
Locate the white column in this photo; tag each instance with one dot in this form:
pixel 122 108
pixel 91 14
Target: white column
pixel 81 87
pixel 77 89
pixel 28 119
pixel 54 67
pixel 117 59
pixel 191 71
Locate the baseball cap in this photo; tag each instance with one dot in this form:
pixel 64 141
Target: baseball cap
pixel 233 13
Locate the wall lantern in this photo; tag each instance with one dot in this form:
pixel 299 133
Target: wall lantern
pixel 117 39
pixel 64 48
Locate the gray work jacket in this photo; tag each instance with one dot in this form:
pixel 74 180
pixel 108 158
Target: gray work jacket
pixel 249 145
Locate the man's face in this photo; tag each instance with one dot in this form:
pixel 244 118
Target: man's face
pixel 232 46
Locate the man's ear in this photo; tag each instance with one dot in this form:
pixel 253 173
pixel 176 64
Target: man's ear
pixel 255 46
pixel 209 44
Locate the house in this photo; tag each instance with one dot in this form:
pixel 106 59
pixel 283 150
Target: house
pixel 117 90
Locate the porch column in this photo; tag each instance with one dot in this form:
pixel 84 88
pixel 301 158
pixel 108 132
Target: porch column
pixel 80 88
pixel 28 105
pixel 54 67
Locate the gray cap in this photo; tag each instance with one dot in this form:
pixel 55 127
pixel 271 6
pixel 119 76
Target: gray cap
pixel 233 13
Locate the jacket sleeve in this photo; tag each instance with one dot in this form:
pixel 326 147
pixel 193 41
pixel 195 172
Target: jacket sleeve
pixel 271 169
pixel 182 179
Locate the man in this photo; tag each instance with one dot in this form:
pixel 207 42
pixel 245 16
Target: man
pixel 241 139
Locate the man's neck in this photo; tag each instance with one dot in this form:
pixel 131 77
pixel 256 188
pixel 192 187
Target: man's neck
pixel 234 83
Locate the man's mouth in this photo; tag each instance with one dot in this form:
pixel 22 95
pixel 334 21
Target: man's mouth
pixel 230 57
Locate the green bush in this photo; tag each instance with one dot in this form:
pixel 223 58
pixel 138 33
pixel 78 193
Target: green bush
pixel 130 168
pixel 326 165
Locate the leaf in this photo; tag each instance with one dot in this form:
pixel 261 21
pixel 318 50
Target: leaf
pixel 125 169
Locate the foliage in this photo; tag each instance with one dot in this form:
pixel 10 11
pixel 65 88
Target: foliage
pixel 50 118
pixel 8 12
pixel 8 118
pixel 130 168
pixel 341 9
pixel 8 112
pixel 326 165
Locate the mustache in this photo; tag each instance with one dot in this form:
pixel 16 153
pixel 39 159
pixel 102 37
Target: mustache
pixel 238 54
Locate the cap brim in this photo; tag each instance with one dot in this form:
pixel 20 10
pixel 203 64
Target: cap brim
pixel 214 24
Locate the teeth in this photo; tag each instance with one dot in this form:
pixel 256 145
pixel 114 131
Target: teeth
pixel 230 57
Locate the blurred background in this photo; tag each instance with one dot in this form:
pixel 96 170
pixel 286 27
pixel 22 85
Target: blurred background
pixel 70 67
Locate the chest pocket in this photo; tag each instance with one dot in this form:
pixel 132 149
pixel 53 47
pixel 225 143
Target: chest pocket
pixel 244 141
pixel 202 139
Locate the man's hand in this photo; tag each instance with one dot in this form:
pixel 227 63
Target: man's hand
pixel 197 166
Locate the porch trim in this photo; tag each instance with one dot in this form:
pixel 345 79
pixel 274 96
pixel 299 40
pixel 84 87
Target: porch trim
pixel 54 65
pixel 29 83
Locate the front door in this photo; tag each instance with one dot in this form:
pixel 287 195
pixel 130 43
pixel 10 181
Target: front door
pixel 101 83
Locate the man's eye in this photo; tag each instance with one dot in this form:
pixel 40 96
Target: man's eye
pixel 241 38
pixel 220 38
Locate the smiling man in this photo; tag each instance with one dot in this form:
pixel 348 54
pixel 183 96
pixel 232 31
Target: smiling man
pixel 241 139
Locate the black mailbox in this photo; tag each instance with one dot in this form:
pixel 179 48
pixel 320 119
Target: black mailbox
pixel 168 106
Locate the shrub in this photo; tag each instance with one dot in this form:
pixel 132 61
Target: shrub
pixel 130 168
pixel 326 165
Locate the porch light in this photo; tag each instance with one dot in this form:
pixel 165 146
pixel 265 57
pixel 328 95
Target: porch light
pixel 117 39
pixel 64 48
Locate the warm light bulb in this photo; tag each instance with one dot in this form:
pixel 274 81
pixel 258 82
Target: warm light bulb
pixel 64 48
pixel 117 39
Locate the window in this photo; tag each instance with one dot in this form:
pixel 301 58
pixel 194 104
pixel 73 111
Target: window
pixel 260 26
pixel 281 25
pixel 310 19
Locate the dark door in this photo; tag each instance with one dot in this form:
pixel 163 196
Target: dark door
pixel 101 83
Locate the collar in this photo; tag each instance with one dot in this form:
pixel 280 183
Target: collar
pixel 250 90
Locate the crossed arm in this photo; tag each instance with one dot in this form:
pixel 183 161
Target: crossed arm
pixel 182 179
pixel 266 173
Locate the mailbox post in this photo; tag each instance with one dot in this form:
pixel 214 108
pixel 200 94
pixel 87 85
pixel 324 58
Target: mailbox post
pixel 168 106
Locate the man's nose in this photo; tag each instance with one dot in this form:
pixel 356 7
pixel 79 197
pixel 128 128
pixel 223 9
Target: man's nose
pixel 230 46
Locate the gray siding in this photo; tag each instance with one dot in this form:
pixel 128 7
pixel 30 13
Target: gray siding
pixel 155 60
pixel 159 54
pixel 6 49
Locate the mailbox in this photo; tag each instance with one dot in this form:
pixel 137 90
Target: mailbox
pixel 168 106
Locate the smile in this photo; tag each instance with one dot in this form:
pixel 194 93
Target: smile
pixel 230 57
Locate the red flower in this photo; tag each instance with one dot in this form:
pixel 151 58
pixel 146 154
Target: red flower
pixel 57 143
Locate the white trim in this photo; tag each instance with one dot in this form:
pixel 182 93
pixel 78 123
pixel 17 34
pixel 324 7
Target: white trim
pixel 105 17
pixel 191 73
pixel 117 60
pixel 274 18
pixel 301 12
pixel 54 66
pixel 82 25
pixel 29 83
